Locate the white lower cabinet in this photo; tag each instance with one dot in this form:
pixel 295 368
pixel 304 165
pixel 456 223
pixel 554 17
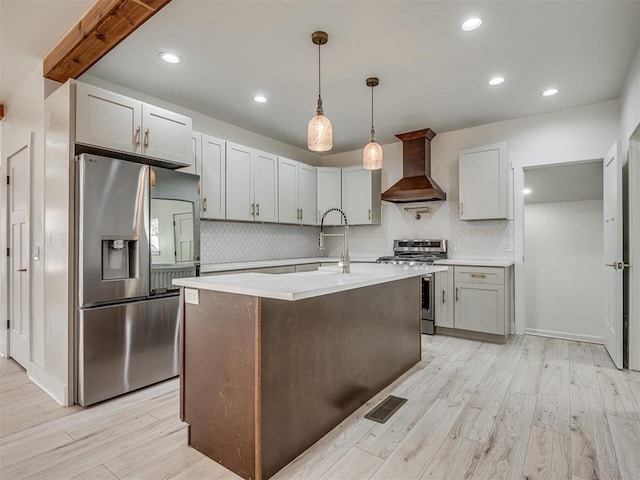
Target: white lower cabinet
pixel 474 301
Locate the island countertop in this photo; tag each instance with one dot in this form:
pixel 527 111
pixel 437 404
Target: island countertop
pixel 301 285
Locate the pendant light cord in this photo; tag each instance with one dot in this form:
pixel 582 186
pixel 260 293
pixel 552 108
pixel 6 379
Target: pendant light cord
pixel 319 96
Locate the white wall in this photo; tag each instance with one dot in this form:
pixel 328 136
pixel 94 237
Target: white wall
pixel 215 127
pixel 564 269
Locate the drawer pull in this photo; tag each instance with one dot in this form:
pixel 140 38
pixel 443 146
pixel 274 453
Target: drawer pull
pixel 457 294
pixel 443 293
pixel 478 275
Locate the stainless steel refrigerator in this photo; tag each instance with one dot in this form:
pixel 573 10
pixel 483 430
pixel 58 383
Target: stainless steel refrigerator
pixel 137 228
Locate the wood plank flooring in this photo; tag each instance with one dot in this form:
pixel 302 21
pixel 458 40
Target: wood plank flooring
pixel 534 408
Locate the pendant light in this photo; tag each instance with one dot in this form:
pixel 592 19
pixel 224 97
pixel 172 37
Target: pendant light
pixel 372 153
pixel 319 130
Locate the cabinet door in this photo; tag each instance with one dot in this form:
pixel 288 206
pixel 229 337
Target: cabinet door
pixel 307 193
pixel 196 155
pixel 288 191
pixel 329 194
pixel 265 186
pixel 108 120
pixel 213 178
pixel 356 195
pixel 484 189
pixel 443 304
pixel 166 134
pixel 239 191
pixel 479 307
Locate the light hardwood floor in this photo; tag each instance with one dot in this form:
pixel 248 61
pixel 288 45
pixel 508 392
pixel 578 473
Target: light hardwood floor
pixel 535 408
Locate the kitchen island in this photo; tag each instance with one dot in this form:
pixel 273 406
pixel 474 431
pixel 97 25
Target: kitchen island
pixel 271 363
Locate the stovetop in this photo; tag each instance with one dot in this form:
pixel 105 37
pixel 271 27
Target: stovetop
pixel 416 252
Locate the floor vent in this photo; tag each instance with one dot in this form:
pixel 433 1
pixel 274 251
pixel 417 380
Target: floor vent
pixel 384 410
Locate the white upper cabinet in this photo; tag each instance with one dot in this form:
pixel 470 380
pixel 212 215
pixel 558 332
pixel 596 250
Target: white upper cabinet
pixel 329 194
pixel 195 161
pixel 213 178
pixel 296 192
pixel 307 193
pixel 361 190
pixel 107 119
pixel 485 183
pixel 112 121
pixel 251 184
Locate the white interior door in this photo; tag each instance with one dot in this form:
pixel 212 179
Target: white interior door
pixel 613 254
pixel 19 268
pixel 183 227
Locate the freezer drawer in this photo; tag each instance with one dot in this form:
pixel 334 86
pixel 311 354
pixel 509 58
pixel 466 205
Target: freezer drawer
pixel 125 347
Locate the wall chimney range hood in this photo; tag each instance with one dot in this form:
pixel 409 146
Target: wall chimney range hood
pixel 416 184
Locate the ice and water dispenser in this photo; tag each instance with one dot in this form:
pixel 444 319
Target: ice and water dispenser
pixel 119 259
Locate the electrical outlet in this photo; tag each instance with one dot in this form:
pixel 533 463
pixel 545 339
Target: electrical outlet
pixel 507 246
pixel 456 246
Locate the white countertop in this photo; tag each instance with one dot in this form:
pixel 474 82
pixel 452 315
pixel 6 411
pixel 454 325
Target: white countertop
pixel 224 267
pixel 475 263
pixel 297 286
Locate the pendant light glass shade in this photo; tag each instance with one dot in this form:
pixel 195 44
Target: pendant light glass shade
pixel 319 129
pixel 319 132
pixel 372 154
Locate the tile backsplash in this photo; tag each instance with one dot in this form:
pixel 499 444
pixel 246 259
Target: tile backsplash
pixel 223 242
pixel 481 239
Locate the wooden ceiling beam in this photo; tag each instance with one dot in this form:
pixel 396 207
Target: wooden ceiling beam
pixel 104 26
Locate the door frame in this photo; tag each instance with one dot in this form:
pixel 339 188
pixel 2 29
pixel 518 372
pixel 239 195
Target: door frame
pixel 634 250
pixel 518 219
pixel 24 141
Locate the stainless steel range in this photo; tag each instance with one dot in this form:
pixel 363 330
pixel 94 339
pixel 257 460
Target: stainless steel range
pixel 420 252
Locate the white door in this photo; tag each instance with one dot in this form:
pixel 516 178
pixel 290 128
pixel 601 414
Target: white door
pixel 183 231
pixel 613 254
pixel 19 267
pixel 288 208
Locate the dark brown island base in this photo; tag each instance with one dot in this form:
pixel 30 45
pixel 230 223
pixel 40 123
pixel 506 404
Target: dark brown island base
pixel 261 380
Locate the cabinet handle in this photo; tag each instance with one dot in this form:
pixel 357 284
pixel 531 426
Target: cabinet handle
pixel 21 270
pixel 457 294
pixel 257 209
pixel 136 138
pixel 253 209
pixel 146 137
pixel 478 275
pixel 461 208
pixel 369 214
pixel 443 296
pixel 204 204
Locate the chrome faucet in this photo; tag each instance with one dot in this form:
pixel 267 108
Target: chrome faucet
pixel 344 262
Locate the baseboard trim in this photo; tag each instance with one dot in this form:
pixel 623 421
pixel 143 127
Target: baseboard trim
pixel 51 386
pixel 564 335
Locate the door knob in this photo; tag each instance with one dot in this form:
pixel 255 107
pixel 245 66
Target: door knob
pixel 617 265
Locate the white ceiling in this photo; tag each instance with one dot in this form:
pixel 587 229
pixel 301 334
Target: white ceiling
pixel 432 74
pixel 564 183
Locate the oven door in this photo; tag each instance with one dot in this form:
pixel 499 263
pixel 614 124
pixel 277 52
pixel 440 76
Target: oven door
pixel 428 285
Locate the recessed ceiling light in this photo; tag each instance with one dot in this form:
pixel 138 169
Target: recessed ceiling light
pixel 549 92
pixel 496 81
pixel 260 98
pixel 170 57
pixel 526 191
pixel 471 24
